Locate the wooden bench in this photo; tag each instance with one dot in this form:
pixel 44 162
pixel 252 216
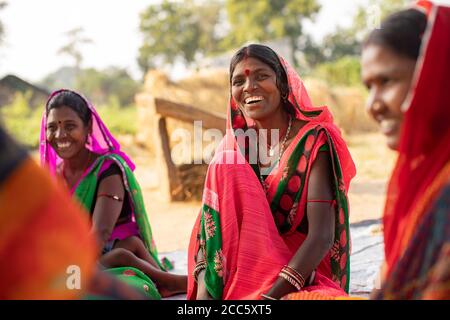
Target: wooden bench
pixel 174 180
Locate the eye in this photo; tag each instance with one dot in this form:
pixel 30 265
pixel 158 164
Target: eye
pixel 51 128
pixel 385 80
pixel 70 126
pixel 262 76
pixel 237 82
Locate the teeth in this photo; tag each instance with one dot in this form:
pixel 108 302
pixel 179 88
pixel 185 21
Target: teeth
pixel 253 99
pixel 63 145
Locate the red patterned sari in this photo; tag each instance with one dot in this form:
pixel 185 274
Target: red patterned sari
pixel 248 235
pixel 417 212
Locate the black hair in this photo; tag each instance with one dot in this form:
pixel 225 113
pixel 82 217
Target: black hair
pixel 402 32
pixel 266 55
pixel 72 100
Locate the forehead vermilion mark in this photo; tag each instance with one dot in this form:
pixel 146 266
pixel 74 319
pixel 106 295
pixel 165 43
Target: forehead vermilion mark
pixel 247 72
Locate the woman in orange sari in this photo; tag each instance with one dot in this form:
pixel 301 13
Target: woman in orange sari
pixel 405 65
pixel 272 222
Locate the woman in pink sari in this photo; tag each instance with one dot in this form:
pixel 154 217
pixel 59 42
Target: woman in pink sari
pixel 78 147
pixel 273 222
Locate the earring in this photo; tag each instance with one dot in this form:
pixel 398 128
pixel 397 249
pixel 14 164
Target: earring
pixel 284 97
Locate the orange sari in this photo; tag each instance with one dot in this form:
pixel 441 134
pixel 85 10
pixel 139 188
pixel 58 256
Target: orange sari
pixel 44 235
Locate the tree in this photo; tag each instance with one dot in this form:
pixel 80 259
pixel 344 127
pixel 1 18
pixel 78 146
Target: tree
pixel 262 20
pixel 344 42
pixel 111 84
pixel 72 48
pixel 178 31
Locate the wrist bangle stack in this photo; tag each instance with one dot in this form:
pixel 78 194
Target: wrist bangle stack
pixel 201 265
pixel 293 277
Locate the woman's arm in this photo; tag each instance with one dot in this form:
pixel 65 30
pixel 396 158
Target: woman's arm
pixel 321 224
pixel 202 292
pixel 107 210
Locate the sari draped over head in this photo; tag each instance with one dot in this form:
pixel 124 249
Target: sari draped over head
pixel 101 142
pixel 248 235
pixel 417 216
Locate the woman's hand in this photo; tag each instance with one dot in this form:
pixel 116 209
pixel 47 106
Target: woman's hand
pixel 202 291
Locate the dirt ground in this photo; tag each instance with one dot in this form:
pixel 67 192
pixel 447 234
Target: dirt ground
pixel 172 222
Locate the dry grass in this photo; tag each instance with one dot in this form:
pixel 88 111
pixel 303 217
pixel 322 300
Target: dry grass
pixel 374 161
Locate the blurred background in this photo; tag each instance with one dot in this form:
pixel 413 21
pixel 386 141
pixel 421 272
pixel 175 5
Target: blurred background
pixel 119 52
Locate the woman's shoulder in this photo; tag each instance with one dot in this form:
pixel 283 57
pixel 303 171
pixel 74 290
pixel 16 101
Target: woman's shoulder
pixel 110 170
pixel 106 160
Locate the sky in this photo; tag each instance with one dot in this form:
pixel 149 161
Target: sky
pixel 35 32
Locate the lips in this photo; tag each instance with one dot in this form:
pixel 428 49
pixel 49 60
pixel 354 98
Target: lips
pixel 63 145
pixel 388 127
pixel 253 99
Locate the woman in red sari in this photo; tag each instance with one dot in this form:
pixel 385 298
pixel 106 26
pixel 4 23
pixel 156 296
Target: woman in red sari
pixel 273 222
pixel 405 65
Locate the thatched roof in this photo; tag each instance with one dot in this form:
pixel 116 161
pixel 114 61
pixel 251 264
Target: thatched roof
pixel 11 84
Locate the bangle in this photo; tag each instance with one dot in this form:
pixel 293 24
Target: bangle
pixel 291 280
pixel 267 297
pixel 293 277
pixel 201 265
pixel 297 275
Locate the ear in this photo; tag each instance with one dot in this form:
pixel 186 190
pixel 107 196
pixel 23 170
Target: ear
pixel 90 126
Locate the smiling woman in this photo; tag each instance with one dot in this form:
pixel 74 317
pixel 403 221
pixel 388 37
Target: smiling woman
pixel 266 230
pixel 77 146
pixel 405 65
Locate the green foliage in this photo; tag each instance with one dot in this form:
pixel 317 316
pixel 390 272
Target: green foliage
pixel 187 30
pixel 24 124
pixel 347 41
pixel 345 71
pixel 21 121
pixel 98 85
pixel 120 121
pixel 178 30
pixel 63 77
pixel 261 20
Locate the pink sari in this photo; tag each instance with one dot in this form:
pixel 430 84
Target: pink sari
pixel 102 142
pixel 246 235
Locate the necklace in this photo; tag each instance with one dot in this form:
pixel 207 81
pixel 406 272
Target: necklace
pixel 285 139
pixel 283 143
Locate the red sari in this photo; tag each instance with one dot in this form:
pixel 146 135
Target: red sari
pixel 417 212
pixel 248 235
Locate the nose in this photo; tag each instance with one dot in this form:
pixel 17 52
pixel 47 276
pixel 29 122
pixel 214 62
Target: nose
pixel 249 85
pixel 374 104
pixel 60 133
